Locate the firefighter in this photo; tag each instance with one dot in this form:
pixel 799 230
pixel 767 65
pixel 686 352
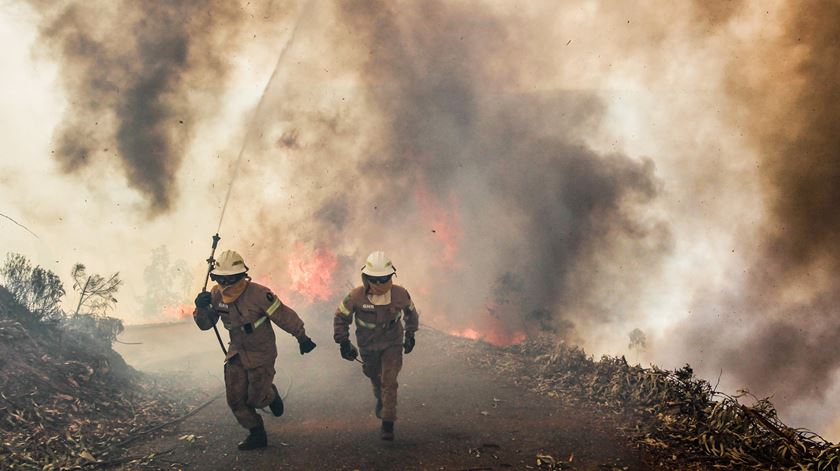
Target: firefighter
pixel 380 308
pixel 244 308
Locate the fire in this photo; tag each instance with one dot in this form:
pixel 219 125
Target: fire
pixel 311 272
pixel 468 333
pixel 491 326
pixel 177 312
pixel 446 225
pixel 494 336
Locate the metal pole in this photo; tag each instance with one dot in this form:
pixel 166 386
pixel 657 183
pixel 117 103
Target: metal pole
pixel 210 262
pixel 248 133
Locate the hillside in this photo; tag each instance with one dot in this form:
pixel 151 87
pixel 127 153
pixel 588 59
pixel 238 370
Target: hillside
pixel 68 401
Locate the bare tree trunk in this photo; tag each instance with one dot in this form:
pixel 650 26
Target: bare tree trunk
pixel 82 296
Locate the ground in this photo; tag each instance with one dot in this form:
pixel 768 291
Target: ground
pixel 452 415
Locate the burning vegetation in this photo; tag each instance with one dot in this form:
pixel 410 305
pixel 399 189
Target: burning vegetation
pixel 474 144
pixel 310 273
pixel 70 402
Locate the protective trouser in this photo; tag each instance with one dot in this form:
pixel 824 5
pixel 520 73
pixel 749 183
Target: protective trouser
pixel 382 367
pixel 248 390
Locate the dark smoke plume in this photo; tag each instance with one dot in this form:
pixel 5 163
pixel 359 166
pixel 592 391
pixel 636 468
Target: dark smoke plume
pixel 467 179
pixel 138 77
pixel 427 129
pixel 779 334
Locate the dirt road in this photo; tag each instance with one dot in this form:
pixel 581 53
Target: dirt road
pixel 452 416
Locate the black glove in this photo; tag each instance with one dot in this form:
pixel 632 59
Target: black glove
pixel 203 300
pixel 348 351
pixel 408 345
pixel 306 344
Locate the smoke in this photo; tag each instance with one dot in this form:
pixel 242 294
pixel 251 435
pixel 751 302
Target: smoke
pixel 167 283
pixel 431 155
pixel 713 14
pixel 780 327
pixel 139 76
pixel 584 167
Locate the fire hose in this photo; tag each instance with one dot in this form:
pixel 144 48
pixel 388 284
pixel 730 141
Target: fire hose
pixel 248 135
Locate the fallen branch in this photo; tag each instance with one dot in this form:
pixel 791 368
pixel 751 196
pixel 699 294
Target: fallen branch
pixel 21 225
pixel 767 424
pixel 170 422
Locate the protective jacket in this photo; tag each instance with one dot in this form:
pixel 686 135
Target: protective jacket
pixel 377 326
pixel 246 319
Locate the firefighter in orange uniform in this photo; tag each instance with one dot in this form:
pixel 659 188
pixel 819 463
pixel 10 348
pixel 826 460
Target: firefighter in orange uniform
pixel 244 308
pixel 380 308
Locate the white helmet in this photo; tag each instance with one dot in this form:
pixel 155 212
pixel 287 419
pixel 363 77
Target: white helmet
pixel 378 264
pixel 229 263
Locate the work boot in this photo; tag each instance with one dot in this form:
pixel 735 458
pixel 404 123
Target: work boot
pixel 387 430
pixel 379 408
pixel 276 405
pixel 255 439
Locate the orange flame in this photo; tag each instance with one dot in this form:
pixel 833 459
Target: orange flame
pixel 177 313
pixel 446 225
pixel 494 334
pixel 468 333
pixel 311 273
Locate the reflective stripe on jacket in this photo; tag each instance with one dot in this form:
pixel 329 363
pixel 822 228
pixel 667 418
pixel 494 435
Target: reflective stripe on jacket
pixel 251 337
pixel 377 326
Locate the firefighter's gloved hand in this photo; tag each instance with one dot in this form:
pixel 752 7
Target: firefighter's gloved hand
pixel 306 344
pixel 203 300
pixel 348 351
pixel 408 345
